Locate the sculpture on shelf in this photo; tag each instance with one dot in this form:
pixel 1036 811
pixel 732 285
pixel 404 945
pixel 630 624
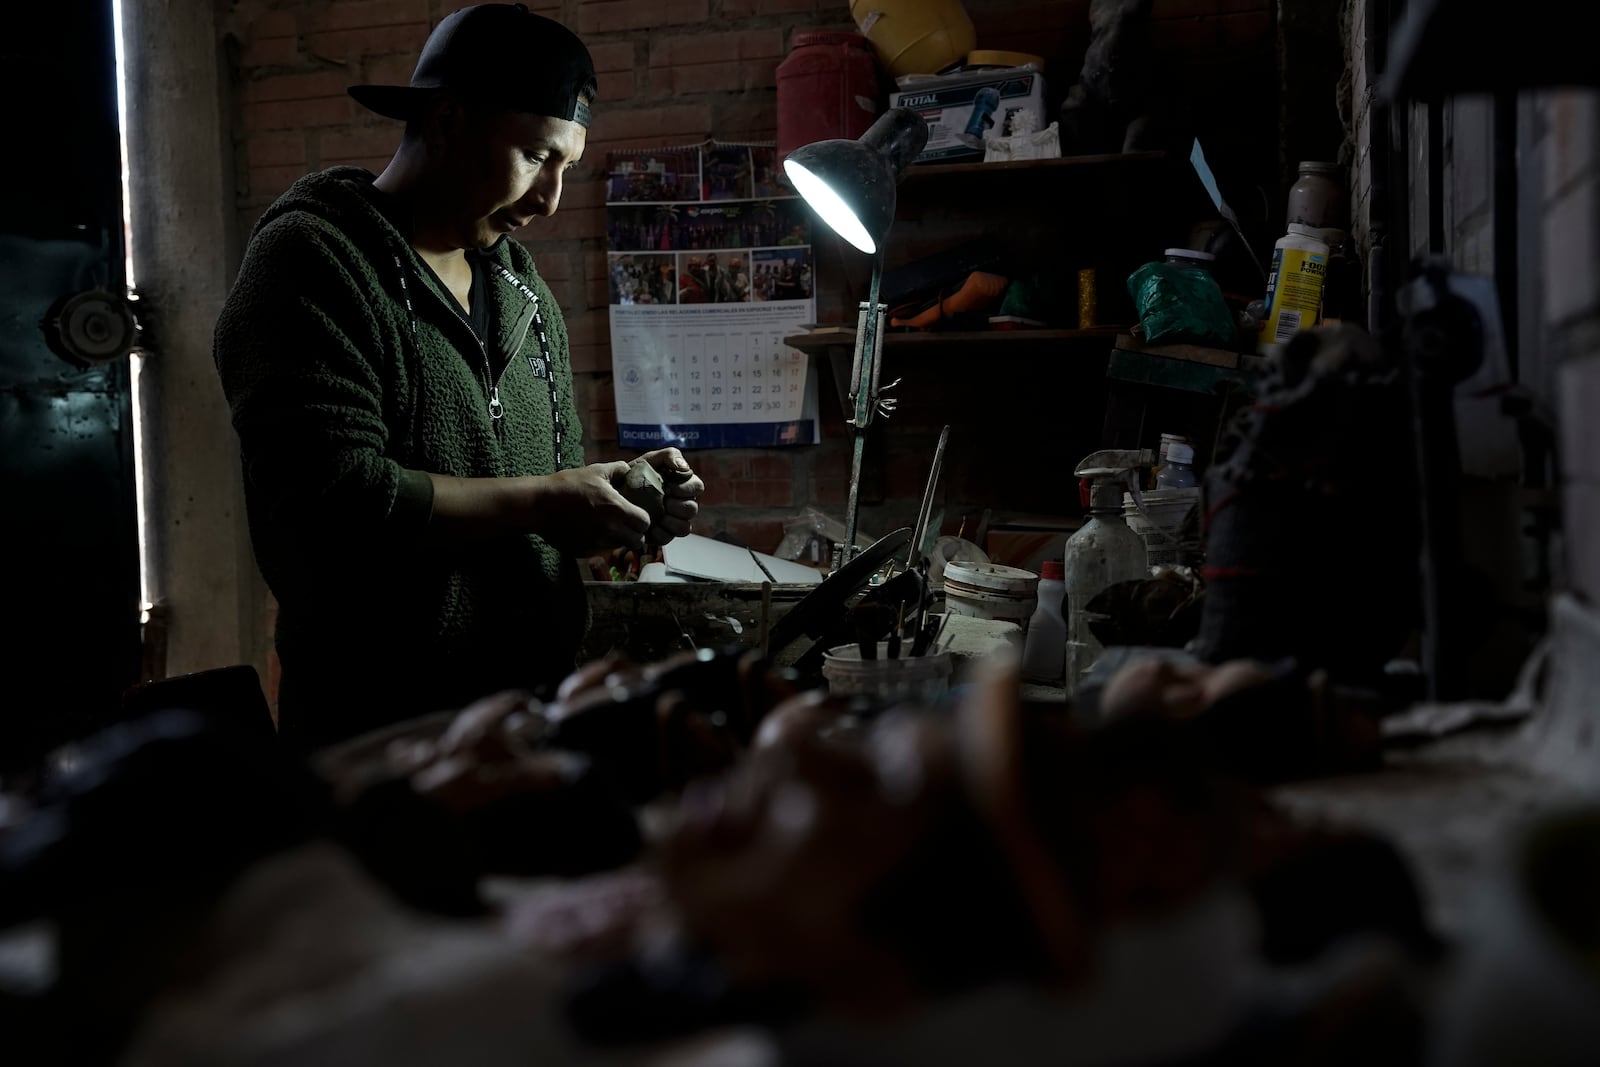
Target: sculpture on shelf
pixel 1109 109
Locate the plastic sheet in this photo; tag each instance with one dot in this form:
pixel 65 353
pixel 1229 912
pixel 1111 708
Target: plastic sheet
pixel 1180 305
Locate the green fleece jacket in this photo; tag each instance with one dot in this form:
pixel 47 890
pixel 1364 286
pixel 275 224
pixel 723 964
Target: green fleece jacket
pixel 352 375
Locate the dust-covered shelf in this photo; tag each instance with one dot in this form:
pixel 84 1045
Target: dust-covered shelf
pixel 1058 166
pixel 926 340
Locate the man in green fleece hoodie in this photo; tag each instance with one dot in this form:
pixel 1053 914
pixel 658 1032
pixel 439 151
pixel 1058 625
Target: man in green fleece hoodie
pixel 400 384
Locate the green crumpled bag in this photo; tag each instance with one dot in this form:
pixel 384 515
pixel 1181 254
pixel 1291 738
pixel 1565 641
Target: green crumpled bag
pixel 1180 305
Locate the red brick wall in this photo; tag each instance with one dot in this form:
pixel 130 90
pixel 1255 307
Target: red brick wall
pixel 678 71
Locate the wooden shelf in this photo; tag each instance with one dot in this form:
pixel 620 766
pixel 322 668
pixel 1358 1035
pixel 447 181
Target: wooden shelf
pixel 1144 368
pixel 935 339
pixel 1216 357
pixel 1055 167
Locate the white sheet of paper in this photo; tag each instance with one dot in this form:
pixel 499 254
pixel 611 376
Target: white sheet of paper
pixel 704 557
pixel 657 572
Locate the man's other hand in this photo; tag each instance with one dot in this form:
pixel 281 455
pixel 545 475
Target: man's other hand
pixel 682 488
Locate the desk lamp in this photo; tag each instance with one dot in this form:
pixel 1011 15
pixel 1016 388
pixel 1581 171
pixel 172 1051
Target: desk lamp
pixel 851 187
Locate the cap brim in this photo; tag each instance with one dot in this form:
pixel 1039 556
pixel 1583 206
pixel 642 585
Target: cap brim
pixel 391 101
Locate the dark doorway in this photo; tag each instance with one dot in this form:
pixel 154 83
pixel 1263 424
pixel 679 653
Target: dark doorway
pixel 68 521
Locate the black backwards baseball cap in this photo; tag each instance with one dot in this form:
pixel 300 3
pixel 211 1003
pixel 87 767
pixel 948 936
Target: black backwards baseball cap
pixel 499 54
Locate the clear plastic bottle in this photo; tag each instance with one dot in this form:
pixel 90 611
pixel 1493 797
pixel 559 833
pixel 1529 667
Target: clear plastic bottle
pixel 1102 553
pixel 1044 652
pixel 1178 471
pixel 1167 440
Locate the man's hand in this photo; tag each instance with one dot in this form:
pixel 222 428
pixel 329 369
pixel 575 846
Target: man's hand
pixel 682 488
pixel 582 511
pixel 579 512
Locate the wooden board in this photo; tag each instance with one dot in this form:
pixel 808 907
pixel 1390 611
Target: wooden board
pixel 845 337
pixel 1212 357
pixel 650 621
pixel 1143 368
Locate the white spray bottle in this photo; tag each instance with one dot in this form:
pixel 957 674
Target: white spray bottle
pixel 1102 553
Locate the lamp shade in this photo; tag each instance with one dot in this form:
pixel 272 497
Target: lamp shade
pixel 851 184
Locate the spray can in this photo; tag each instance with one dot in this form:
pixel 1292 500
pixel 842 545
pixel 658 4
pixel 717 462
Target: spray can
pixel 1103 552
pixel 1294 286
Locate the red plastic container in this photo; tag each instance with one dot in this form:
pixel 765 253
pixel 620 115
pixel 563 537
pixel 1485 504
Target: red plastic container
pixel 827 87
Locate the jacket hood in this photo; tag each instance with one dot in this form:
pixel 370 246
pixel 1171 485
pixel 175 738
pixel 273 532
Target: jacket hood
pixel 345 198
pixel 340 195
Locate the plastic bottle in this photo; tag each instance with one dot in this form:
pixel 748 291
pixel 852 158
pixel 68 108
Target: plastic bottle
pixel 1102 553
pixel 1294 286
pixel 1043 654
pixel 1167 440
pixel 1190 258
pixel 1316 199
pixel 827 88
pixel 1178 471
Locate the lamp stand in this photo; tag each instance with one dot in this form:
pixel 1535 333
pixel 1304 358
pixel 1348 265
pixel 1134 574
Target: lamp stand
pixel 864 394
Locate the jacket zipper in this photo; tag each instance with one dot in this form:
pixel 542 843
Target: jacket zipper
pixel 526 318
pixel 491 381
pixel 530 317
pixel 497 409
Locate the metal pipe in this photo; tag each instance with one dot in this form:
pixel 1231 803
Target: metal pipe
pixel 862 383
pixel 854 507
pixel 1438 240
pixel 1506 277
pixel 1384 223
pixel 925 513
pixel 878 311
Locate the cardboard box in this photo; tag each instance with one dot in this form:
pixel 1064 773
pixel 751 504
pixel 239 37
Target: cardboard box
pixel 1028 544
pixel 960 107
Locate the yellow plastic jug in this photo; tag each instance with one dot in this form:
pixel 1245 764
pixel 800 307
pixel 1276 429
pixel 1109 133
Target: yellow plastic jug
pixel 915 36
